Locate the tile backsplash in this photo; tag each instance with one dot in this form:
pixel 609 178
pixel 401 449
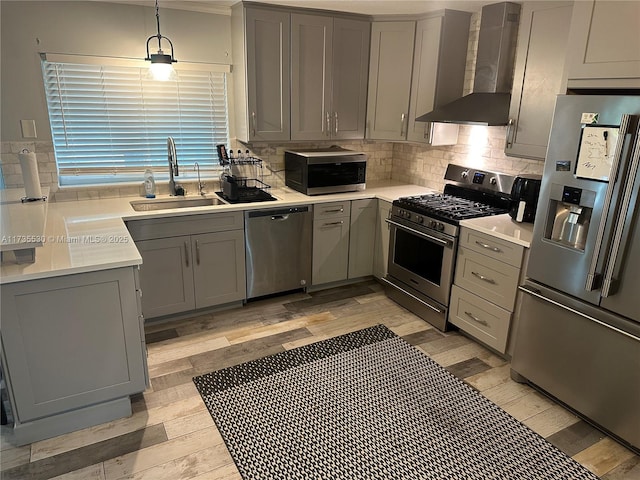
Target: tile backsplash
pixel 478 147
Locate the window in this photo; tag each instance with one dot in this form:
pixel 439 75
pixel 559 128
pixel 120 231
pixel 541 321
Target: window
pixel 111 122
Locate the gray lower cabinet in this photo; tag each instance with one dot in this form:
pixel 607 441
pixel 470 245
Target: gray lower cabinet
pixel 485 289
pixel 190 262
pixel 538 78
pixel 603 47
pixel 343 240
pixel 362 237
pixel 72 351
pixel 381 254
pixel 330 259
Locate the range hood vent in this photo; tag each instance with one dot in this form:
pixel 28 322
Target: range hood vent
pixel 489 102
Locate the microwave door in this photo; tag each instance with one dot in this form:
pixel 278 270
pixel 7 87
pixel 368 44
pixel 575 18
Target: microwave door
pixel 622 272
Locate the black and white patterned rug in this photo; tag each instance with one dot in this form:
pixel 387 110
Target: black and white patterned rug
pixel 366 406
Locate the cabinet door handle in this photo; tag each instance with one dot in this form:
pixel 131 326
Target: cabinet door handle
pixel 476 319
pixel 197 253
pixel 482 277
pixel 332 224
pixel 186 254
pixel 402 117
pixel 335 118
pixel 253 123
pixel 488 247
pixel 508 142
pixel 328 130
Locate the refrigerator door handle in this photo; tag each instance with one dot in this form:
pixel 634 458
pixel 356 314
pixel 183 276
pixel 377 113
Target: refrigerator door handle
pixel 536 293
pixel 591 274
pixel 616 245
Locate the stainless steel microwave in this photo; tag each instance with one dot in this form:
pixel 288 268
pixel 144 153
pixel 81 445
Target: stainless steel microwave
pixel 325 170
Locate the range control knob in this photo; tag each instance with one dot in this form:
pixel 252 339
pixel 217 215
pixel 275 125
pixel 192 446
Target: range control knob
pixel 493 180
pixel 465 174
pixel 440 227
pixel 419 219
pixel 433 224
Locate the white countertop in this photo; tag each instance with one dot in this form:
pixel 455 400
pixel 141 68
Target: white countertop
pixel 90 235
pixel 21 224
pixel 502 226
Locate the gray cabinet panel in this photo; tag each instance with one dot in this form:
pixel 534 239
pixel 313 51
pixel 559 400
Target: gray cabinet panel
pixel 438 71
pixel 603 45
pixel 362 237
pixel 329 68
pixel 219 272
pixel 166 276
pixel 538 78
pixel 381 255
pixel 71 342
pixel 390 79
pixel 311 75
pixel 351 40
pixel 330 259
pixel 261 53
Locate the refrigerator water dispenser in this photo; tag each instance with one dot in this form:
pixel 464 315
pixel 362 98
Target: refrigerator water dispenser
pixel 569 217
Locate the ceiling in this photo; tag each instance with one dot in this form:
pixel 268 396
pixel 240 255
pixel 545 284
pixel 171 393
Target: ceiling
pixel 369 7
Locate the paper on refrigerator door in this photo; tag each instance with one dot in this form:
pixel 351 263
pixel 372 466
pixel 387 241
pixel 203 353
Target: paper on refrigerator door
pixel 597 148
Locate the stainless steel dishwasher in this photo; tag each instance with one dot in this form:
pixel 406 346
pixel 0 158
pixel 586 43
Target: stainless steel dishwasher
pixel 278 250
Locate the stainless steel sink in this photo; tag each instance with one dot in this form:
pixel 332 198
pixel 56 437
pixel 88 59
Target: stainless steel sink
pixel 170 203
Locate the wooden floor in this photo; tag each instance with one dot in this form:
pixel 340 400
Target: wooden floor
pixel 172 436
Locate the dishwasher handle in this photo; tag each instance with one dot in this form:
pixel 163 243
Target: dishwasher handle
pixel 275 213
pixel 280 218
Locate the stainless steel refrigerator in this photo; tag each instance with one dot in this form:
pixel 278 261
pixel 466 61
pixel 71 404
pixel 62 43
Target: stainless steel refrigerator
pixel 578 333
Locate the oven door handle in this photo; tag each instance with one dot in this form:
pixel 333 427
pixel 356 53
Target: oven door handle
pixel 418 232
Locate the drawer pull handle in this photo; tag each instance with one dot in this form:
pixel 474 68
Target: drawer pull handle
pixel 483 278
pixel 488 247
pixel 333 224
pixel 337 210
pixel 476 319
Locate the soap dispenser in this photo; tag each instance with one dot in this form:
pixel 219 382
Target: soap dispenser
pixel 149 184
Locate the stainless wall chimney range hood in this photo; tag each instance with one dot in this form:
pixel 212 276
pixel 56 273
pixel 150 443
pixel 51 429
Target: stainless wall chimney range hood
pixel 489 102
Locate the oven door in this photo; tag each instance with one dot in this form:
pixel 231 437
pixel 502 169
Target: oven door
pixel 422 259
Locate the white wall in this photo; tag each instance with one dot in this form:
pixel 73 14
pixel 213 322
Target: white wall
pixel 89 28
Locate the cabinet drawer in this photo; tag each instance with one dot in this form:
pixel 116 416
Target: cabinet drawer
pixel 491 246
pixel 494 281
pixel 186 225
pixel 479 318
pixel 331 210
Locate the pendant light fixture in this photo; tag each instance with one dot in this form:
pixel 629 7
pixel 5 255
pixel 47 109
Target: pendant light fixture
pixel 161 64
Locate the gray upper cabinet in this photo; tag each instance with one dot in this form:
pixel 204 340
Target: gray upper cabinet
pixel 604 45
pixel 261 64
pixel 439 63
pixel 329 68
pixel 539 76
pixel 390 72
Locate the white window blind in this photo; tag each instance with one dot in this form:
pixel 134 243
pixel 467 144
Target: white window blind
pixel 110 123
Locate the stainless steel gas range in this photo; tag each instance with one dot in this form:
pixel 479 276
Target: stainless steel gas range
pixel 424 234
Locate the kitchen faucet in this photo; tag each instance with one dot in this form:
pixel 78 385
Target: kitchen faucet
pixel 196 166
pixel 173 168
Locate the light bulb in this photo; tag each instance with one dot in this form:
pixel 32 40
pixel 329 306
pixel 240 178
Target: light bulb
pixel 162 72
